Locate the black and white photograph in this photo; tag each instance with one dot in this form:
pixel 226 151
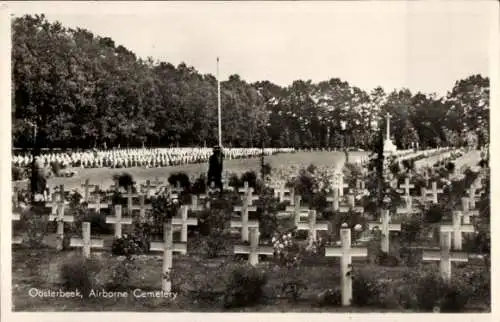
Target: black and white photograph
pixel 249 157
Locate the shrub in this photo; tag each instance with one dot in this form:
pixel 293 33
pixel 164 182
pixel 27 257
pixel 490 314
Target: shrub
pixel 432 291
pixel 250 177
pixel 450 166
pixel 385 259
pixel 216 245
pixel 366 290
pixel 245 287
pixel 121 274
pixel 17 173
pixel 35 224
pixel 434 214
pixel 200 185
pixel 330 297
pixel 125 181
pixel 80 274
pixel 127 246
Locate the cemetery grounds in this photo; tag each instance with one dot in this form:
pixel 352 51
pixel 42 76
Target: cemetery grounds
pixel 298 280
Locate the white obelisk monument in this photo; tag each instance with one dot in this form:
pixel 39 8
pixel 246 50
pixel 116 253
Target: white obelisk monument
pixel 389 147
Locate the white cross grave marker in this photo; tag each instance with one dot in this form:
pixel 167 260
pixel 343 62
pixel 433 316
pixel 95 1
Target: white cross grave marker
pixel 142 207
pixel 244 210
pixel 118 221
pixel 466 212
pixel 407 187
pixel 61 219
pixel 86 187
pixel 408 209
pixel 97 205
pixel 168 247
pixel 345 252
pixel 385 228
pixel 312 227
pixel 184 222
pixel 130 199
pixel 86 243
pixel 248 193
pixel 254 250
pixel 456 228
pixel 435 191
pixel 351 205
pixel 335 200
pixel 445 256
pixel 296 210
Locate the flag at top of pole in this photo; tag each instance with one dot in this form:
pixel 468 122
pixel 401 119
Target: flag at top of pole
pixel 218 104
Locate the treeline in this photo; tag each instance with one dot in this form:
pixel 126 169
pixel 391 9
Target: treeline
pixel 83 90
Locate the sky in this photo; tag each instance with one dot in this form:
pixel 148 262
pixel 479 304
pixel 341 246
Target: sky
pixel 425 46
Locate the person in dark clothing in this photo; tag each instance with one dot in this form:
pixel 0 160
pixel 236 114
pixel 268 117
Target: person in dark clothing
pixel 215 168
pixel 38 179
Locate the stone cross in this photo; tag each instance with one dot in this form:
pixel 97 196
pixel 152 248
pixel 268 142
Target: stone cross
pixel 142 207
pixel 248 193
pixel 385 228
pixel 130 199
pixel 345 252
pixel 407 186
pixel 86 187
pixel 408 210
pixel 279 192
pixel 466 212
pixel 254 250
pixel 435 191
pixel 334 200
pixel 97 205
pixel 296 210
pixel 184 222
pixel 244 210
pixel 57 201
pixel 312 227
pixel 445 256
pixel 61 219
pixel 118 221
pixel 178 189
pixel 195 206
pixel 168 247
pixel 472 197
pixel 338 183
pixel 456 228
pixel 86 243
pixel 351 205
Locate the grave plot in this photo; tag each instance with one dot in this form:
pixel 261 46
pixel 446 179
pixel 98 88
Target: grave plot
pixel 318 245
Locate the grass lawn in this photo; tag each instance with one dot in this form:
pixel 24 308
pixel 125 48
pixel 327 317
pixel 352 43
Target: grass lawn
pixel 104 176
pixel 39 268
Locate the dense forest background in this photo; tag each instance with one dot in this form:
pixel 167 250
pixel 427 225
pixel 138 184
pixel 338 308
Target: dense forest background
pixel 83 90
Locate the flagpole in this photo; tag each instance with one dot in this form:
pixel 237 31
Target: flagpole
pixel 218 104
